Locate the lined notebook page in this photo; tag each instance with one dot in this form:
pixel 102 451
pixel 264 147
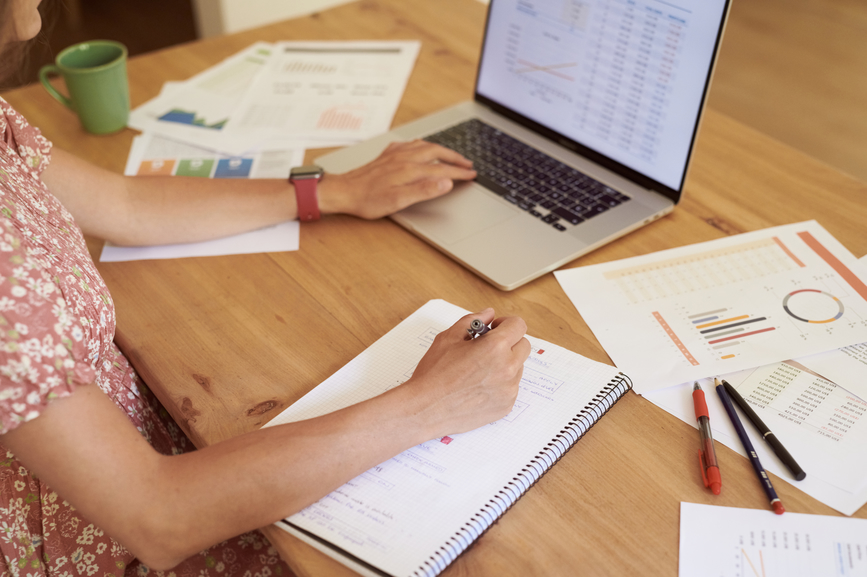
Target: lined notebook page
pixel 397 514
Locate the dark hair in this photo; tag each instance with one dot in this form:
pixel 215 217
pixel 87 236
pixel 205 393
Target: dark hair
pixel 14 54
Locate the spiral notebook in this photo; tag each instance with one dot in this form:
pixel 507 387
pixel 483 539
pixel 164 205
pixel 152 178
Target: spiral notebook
pixel 414 514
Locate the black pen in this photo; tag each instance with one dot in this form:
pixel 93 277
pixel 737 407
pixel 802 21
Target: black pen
pixel 477 328
pixel 767 435
pixel 765 481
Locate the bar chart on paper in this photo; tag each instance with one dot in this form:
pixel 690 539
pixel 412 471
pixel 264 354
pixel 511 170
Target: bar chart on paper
pixel 326 91
pixel 751 543
pixel 723 306
pixel 347 117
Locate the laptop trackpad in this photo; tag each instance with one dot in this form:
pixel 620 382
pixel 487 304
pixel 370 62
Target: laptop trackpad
pixel 461 213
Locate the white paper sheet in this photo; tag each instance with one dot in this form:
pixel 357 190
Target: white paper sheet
pixel 821 425
pixel 152 154
pixel 196 110
pixel 730 542
pixel 396 515
pixel 847 367
pixel 329 91
pixel 721 306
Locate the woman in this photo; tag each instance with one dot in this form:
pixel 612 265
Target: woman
pixel 88 489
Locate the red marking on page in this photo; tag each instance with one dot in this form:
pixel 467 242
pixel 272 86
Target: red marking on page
pixel 540 351
pixel 446 440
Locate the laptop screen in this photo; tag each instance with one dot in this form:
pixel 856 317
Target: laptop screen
pixel 623 78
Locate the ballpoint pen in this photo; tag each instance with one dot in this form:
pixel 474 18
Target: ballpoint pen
pixel 706 454
pixel 767 435
pixel 775 502
pixel 477 328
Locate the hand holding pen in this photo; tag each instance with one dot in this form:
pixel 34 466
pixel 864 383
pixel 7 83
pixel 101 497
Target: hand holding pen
pixel 477 328
pixel 459 384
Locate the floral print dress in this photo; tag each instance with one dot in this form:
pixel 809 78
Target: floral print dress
pixel 57 327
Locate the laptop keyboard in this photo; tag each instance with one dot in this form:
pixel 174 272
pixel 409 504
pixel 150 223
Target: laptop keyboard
pixel 555 193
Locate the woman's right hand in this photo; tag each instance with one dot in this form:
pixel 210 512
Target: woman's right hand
pixel 166 508
pixel 461 384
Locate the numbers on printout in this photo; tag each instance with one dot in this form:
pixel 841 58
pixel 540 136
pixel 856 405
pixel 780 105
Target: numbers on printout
pixel 820 405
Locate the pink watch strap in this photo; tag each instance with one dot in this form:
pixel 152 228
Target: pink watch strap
pixel 307 198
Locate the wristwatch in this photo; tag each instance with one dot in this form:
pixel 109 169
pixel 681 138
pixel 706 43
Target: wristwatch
pixel 305 179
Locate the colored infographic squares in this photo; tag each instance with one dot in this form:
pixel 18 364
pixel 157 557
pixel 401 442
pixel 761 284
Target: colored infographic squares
pixel 195 167
pixel 156 167
pixel 234 168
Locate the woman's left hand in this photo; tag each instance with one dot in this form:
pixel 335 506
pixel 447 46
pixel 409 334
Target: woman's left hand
pixel 404 174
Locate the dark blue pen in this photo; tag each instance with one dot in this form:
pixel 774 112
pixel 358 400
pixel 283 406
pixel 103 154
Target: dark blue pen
pixel 776 504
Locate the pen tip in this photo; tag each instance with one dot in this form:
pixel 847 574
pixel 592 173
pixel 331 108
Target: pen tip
pixel 696 386
pixel 716 381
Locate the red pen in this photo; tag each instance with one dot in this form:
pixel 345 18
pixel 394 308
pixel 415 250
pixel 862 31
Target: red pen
pixel 706 455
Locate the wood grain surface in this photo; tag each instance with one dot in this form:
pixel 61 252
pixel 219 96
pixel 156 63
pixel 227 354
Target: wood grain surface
pixel 228 342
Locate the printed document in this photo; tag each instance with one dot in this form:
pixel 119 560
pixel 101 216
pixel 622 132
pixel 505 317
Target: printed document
pixel 731 542
pixel 155 155
pixel 823 426
pixel 399 513
pixel 197 110
pixel 722 306
pixel 330 91
pixel 847 367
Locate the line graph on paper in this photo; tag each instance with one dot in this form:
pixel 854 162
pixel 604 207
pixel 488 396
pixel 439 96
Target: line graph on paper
pixel 788 553
pixel 764 553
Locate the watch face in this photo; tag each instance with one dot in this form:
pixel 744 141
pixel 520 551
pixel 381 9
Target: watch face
pixel 309 171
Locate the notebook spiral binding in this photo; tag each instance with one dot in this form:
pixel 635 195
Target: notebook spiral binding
pixel 529 475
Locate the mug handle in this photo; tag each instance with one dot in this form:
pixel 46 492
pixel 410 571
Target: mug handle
pixel 44 72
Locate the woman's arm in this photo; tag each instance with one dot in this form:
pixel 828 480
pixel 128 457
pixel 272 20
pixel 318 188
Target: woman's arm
pixel 129 210
pixel 165 509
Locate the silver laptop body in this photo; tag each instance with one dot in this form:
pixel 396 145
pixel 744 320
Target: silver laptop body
pixel 612 88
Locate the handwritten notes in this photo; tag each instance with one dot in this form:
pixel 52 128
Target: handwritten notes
pixel 397 514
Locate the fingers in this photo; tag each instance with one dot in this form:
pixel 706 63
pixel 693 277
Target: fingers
pixel 404 174
pixel 458 331
pixel 427 152
pixel 522 349
pixel 438 171
pixel 409 194
pixel 514 328
pixel 510 329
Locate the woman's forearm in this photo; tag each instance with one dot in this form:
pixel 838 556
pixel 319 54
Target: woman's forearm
pixel 166 508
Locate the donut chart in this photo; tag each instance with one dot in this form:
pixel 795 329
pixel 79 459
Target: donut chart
pixel 813 308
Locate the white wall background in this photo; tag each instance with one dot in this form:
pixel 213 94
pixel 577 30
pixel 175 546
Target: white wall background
pixel 215 17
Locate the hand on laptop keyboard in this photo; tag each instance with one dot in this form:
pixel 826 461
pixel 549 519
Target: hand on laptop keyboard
pixel 404 174
pixel 533 181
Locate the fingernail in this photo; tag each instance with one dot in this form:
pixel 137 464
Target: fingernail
pixel 444 185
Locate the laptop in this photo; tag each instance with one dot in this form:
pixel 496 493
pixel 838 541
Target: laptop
pixel 581 129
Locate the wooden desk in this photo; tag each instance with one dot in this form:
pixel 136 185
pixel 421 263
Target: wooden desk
pixel 228 342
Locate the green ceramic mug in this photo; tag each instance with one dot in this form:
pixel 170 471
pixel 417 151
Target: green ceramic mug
pixel 95 75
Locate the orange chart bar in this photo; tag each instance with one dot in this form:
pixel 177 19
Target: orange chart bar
pixel 674 338
pixel 722 322
pixel 790 254
pixel 835 263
